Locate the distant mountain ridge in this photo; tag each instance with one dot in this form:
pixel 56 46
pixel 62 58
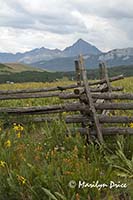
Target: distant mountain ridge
pixel 46 54
pixel 117 57
pixel 63 60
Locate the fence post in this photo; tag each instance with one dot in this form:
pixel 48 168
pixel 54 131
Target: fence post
pixel 90 100
pixel 78 73
pixel 101 71
pixel 104 75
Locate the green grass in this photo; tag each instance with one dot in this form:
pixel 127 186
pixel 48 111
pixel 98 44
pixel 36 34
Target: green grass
pixel 8 68
pixel 18 67
pixel 39 161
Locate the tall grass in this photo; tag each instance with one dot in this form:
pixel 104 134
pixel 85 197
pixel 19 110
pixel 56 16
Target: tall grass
pixel 39 161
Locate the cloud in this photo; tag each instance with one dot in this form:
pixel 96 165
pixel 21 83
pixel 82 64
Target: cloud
pixel 107 9
pixel 57 23
pixel 28 14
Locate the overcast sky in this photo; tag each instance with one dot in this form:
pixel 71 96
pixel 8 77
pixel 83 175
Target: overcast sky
pixel 29 24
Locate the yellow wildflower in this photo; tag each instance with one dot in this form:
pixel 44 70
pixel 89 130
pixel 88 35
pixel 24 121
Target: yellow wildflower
pixel 8 143
pixel 21 179
pixel 21 128
pixel 0 129
pixel 131 125
pixel 18 135
pixel 18 127
pixel 2 163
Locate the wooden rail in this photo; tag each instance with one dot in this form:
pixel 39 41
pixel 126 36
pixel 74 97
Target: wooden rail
pixel 106 131
pixel 102 119
pixel 107 96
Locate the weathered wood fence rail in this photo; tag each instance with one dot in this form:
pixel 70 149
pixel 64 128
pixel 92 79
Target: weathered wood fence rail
pixel 94 102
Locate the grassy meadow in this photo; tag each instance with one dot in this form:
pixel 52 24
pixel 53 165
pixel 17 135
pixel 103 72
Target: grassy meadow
pixel 40 162
pixel 8 68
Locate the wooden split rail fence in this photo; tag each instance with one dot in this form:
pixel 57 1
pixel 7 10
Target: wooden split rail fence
pixel 93 106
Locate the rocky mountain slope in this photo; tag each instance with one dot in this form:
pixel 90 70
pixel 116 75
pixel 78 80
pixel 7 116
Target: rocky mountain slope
pixel 117 57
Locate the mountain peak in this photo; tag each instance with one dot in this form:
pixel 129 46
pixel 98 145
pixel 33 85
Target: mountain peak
pixel 81 47
pixel 80 40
